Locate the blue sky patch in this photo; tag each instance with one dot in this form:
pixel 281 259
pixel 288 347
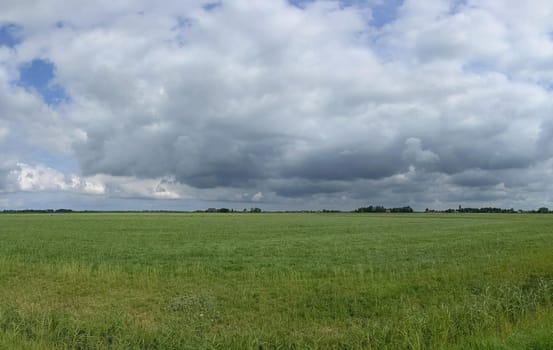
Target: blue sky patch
pixel 212 5
pixel 299 3
pixel 9 35
pixel 478 68
pixel 182 22
pixel 383 13
pixel 456 6
pixel 66 165
pixel 38 75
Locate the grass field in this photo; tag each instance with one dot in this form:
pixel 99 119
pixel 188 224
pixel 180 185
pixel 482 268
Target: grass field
pixel 276 281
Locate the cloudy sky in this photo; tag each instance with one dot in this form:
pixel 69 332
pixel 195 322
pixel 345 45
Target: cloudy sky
pixel 184 104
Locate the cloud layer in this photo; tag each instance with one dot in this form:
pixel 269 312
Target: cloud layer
pixel 319 103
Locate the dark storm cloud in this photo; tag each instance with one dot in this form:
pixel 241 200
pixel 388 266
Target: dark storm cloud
pixel 488 156
pixel 200 157
pixel 298 188
pixel 335 165
pixel 475 179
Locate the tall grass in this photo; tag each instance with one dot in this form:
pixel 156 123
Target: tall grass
pixel 145 281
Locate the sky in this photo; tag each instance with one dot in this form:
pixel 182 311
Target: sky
pixel 299 104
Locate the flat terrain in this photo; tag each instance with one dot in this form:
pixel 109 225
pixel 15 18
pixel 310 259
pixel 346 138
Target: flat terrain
pixel 276 281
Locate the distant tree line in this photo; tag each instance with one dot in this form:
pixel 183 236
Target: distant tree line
pixel 381 209
pixel 37 211
pixel 481 210
pixel 227 210
pixel 369 209
pixel 542 210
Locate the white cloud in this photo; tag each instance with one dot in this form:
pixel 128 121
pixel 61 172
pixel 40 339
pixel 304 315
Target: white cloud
pixel 38 178
pixel 172 101
pixel 257 197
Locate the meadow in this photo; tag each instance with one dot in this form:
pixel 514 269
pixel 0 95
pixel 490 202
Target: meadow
pixel 276 281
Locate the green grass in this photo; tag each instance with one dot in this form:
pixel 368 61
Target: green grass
pixel 276 281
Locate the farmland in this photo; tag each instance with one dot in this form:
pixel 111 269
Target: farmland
pixel 276 281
